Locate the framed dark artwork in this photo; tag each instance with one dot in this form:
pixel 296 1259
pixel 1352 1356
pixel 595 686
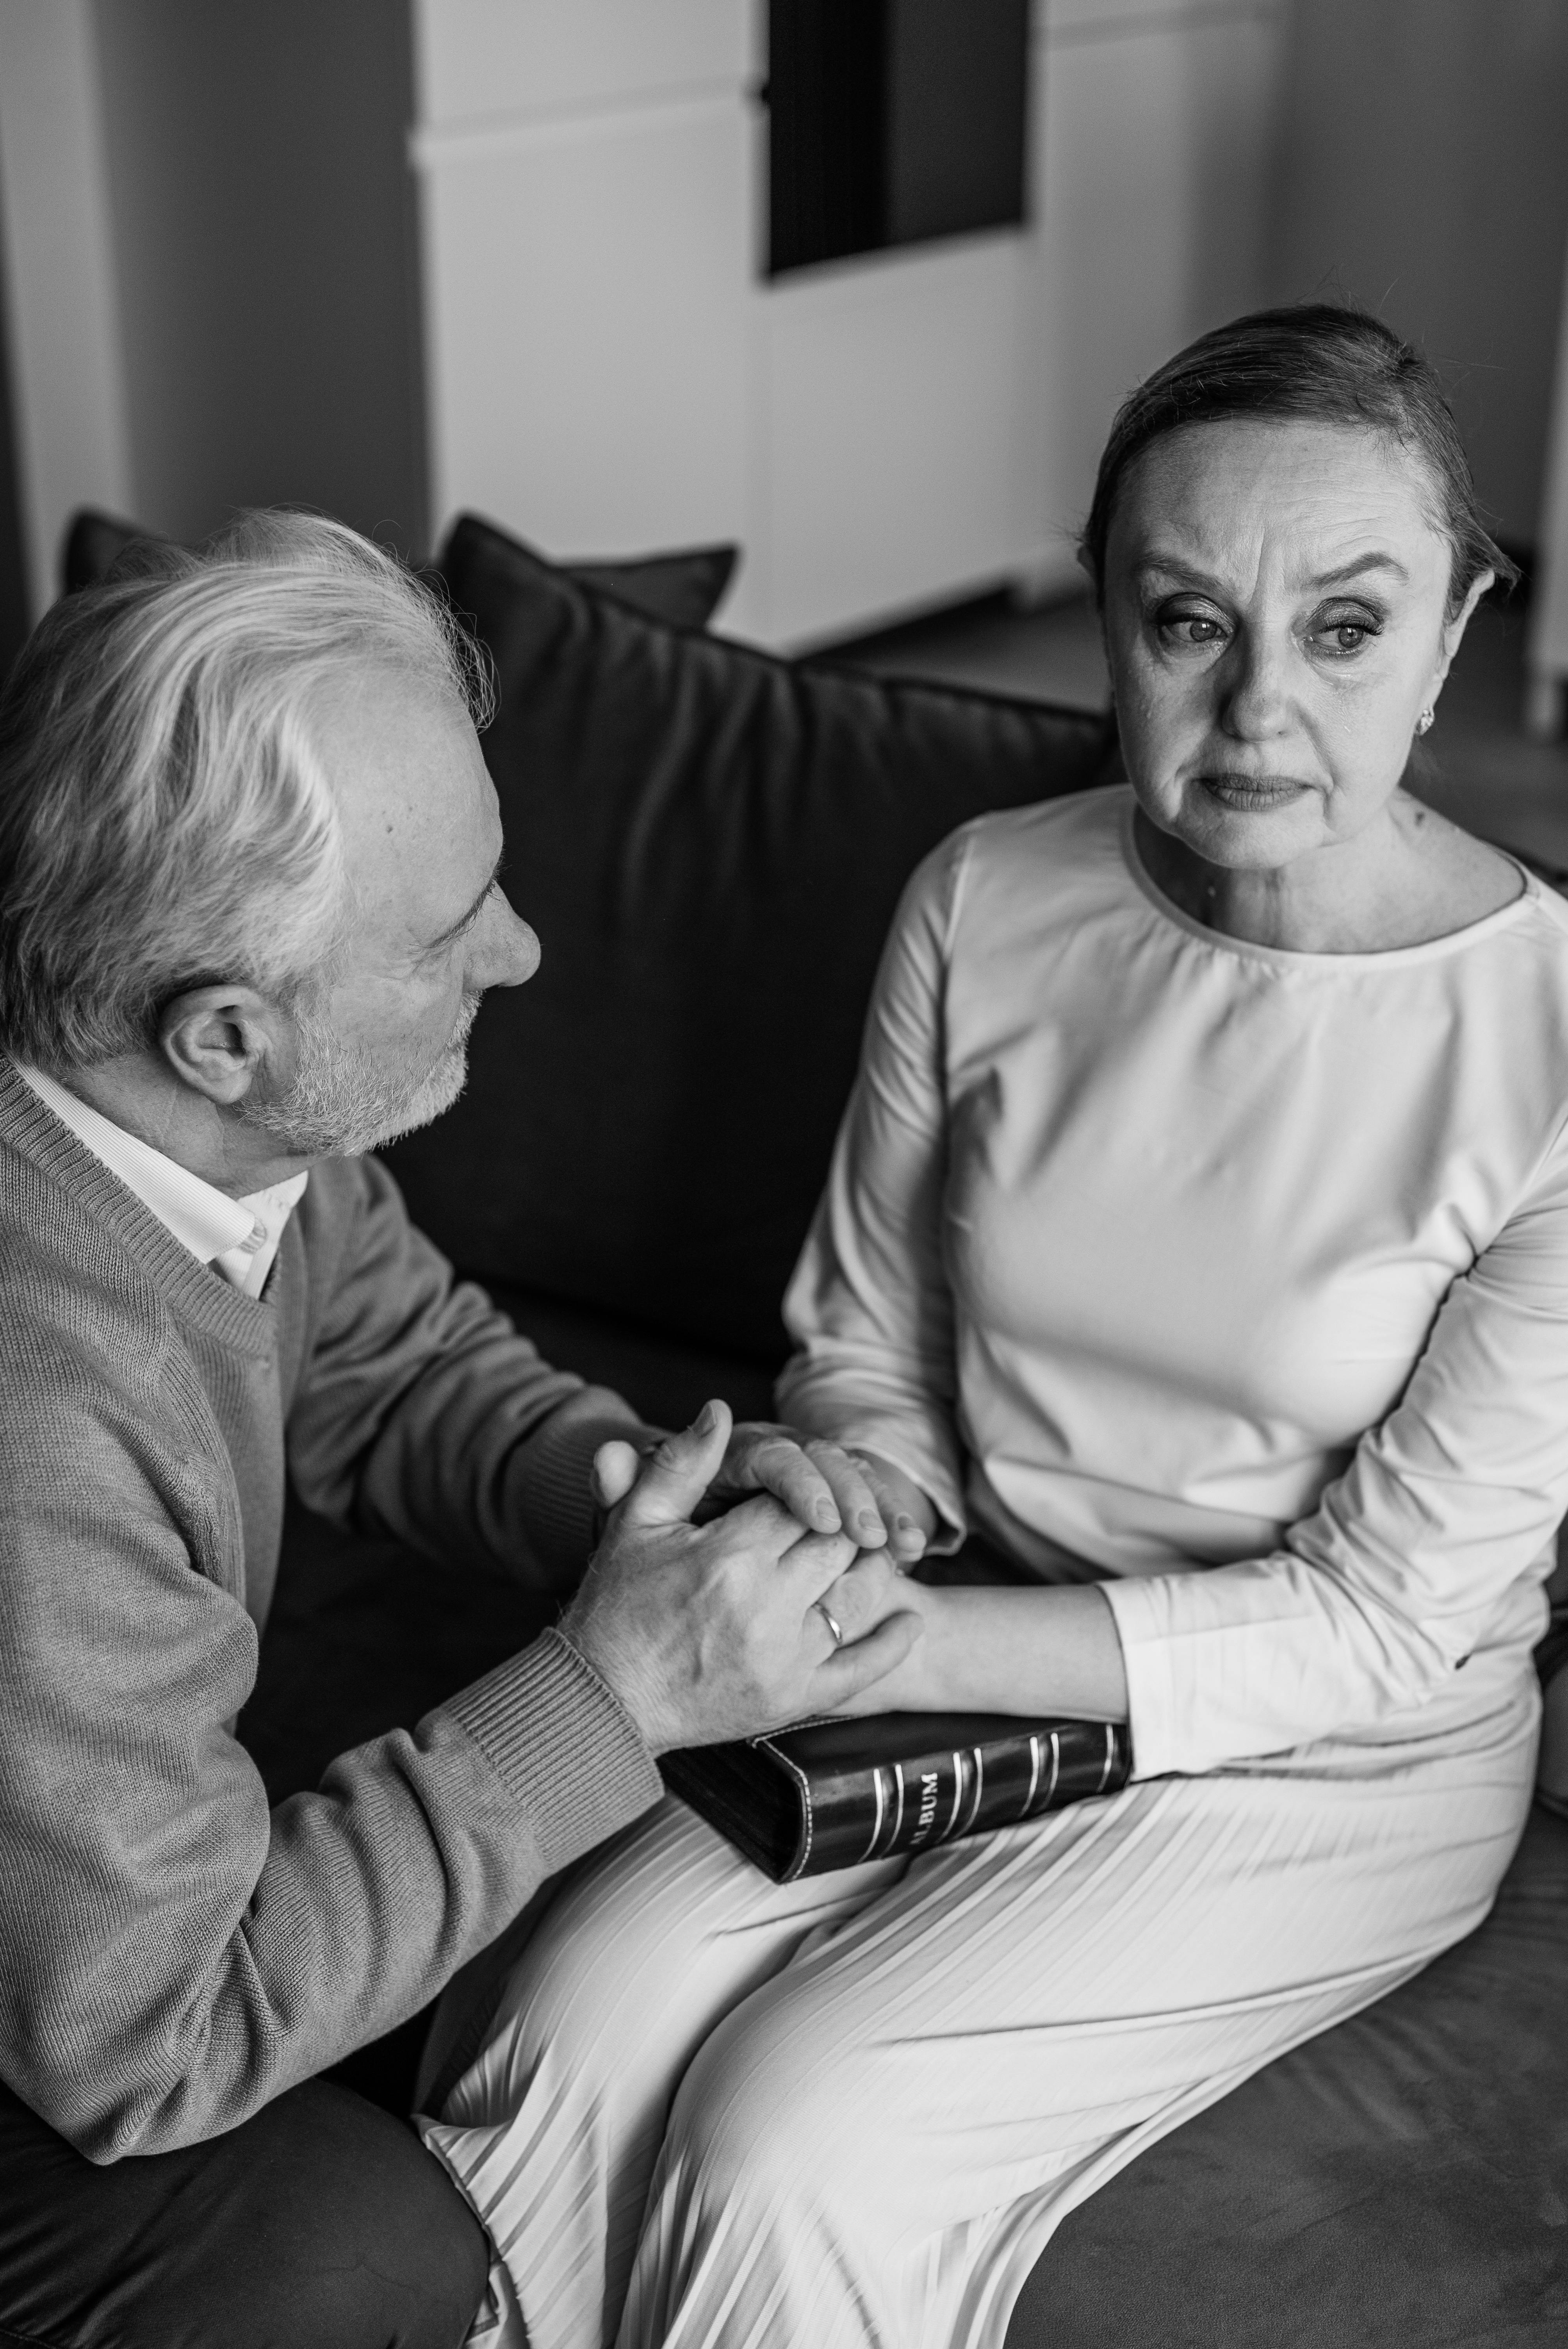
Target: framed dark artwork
pixel 892 122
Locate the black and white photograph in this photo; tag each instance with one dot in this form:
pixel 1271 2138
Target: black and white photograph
pixel 783 1174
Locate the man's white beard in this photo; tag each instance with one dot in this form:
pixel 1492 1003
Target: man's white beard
pixel 340 1104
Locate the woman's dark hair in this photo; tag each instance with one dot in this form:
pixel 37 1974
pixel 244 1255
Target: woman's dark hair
pixel 1321 361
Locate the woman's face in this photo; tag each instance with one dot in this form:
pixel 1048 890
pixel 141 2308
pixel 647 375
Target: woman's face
pixel 1274 601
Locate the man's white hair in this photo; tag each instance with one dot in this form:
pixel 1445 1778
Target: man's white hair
pixel 164 819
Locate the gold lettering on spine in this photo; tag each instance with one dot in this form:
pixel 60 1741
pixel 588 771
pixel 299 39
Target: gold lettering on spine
pixel 869 1851
pixel 957 1793
pixel 1036 1758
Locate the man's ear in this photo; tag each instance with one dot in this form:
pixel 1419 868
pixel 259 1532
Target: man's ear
pixel 218 1039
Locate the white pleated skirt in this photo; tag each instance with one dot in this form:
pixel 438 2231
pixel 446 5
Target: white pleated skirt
pixel 717 2113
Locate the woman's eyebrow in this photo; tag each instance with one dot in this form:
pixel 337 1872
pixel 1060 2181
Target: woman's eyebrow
pixel 1171 566
pixel 1363 563
pixel 461 924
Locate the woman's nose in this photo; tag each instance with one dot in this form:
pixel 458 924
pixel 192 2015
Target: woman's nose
pixel 1255 700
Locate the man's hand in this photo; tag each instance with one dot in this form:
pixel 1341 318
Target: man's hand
pixel 716 1631
pixel 825 1488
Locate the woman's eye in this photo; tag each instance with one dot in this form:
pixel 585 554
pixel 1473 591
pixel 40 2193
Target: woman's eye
pixel 1342 637
pixel 1191 627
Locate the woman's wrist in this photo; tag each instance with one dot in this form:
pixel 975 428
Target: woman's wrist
pixel 925 1676
pixel 996 1649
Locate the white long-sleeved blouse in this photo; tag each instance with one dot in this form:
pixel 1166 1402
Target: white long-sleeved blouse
pixel 1151 1251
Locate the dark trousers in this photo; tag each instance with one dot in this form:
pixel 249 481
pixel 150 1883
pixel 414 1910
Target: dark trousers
pixel 322 2223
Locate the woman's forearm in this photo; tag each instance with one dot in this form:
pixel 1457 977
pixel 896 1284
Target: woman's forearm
pixel 1025 1651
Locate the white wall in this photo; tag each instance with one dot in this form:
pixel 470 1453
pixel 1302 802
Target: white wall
pixel 1154 141
pixel 209 263
pixel 68 403
pixel 1546 699
pixel 211 302
pixel 609 369
pixel 1423 170
pixel 262 240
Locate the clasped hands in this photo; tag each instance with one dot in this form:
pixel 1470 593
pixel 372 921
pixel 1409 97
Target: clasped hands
pixel 715 1626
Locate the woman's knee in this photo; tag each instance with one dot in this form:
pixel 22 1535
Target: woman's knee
pixel 630 1970
pixel 777 2098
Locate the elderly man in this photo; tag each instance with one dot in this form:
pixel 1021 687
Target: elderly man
pixel 248 907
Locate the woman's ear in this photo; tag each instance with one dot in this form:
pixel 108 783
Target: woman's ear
pixel 217 1039
pixel 1454 629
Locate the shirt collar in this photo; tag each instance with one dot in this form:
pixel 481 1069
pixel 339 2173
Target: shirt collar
pixel 240 1236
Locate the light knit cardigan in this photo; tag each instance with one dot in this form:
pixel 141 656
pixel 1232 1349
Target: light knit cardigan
pixel 171 1953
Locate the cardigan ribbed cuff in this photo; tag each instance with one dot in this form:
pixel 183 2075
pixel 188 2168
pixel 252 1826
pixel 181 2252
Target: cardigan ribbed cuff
pixel 557 1500
pixel 562 1743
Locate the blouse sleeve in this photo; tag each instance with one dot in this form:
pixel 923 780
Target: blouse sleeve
pixel 869 1306
pixel 1416 1556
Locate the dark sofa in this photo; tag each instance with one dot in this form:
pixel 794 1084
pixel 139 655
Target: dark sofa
pixel 711 843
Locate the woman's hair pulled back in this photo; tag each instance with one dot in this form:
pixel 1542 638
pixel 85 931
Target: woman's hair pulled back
pixel 1324 363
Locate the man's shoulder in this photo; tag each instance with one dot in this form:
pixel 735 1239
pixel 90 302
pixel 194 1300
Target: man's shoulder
pixel 88 1359
pixel 350 1207
pixel 55 1253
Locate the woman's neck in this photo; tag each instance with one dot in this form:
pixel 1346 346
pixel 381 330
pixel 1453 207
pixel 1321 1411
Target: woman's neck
pixel 1409 877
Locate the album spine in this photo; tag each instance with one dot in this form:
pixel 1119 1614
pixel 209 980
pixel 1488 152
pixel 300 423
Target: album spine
pixel 880 1809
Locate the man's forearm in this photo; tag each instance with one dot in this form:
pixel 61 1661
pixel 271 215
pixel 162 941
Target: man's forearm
pixel 130 2037
pixel 424 1414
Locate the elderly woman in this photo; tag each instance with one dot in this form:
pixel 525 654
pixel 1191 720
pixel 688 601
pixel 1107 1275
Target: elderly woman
pixel 1198 1232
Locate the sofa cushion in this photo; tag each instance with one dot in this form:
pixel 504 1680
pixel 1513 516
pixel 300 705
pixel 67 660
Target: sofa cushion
pixel 710 843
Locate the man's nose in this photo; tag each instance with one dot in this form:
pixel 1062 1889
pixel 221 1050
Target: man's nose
pixel 505 951
pixel 1255 700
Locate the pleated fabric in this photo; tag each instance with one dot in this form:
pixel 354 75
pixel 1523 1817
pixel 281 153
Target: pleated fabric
pixel 717 2113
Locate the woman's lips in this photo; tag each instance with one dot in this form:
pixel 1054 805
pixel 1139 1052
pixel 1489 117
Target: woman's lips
pixel 1253 793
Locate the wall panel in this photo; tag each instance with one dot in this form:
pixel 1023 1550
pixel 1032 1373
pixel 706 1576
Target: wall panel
pixel 1154 165
pixel 481 60
pixel 584 290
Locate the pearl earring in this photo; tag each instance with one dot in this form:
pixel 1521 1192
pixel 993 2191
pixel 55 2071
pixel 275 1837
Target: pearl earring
pixel 1423 722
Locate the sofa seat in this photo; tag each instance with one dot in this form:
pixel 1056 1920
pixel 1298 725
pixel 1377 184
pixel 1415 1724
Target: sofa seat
pixel 1400 2183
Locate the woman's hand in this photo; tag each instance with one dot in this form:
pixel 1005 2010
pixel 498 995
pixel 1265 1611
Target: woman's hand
pixel 825 1488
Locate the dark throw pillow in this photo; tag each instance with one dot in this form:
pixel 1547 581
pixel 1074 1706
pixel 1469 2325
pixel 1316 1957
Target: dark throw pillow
pixel 710 843
pixel 93 543
pixel 683 588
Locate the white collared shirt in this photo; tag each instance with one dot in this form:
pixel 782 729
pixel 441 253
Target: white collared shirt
pixel 237 1237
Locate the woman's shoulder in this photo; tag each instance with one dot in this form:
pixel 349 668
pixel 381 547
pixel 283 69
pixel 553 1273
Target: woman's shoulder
pixel 1071 823
pixel 1002 881
pixel 1051 850
pixel 1027 870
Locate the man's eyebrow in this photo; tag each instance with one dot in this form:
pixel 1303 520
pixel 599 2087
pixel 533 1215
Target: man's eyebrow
pixel 463 920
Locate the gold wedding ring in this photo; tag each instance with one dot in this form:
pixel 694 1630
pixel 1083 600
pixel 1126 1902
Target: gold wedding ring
pixel 822 1607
